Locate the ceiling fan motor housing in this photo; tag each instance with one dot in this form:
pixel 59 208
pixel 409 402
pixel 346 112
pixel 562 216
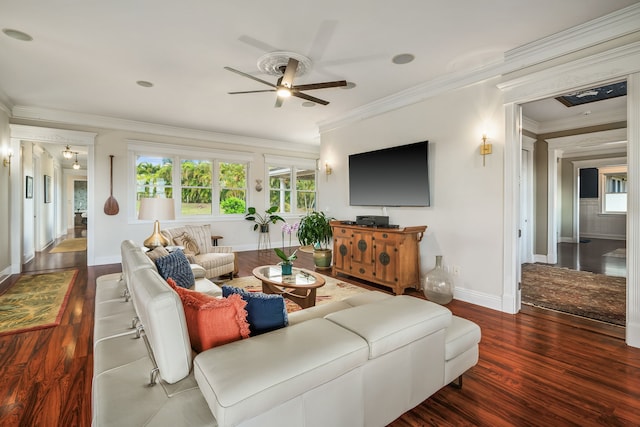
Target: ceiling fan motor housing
pixel 274 63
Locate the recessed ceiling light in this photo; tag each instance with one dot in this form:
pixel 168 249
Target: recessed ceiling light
pixel 18 35
pixel 308 104
pixel 350 85
pixel 403 58
pixel 144 83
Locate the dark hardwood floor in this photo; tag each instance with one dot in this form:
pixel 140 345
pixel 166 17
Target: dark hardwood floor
pixel 535 369
pixel 589 255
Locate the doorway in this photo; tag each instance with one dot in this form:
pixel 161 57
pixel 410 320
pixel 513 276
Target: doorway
pixel 26 136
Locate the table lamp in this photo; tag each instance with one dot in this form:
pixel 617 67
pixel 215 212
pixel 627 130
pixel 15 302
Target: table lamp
pixel 156 209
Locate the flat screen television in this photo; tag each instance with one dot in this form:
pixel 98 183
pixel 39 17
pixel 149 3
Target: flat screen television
pixel 395 176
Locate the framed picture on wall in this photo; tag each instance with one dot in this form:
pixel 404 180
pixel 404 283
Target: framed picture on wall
pixel 47 189
pixel 28 186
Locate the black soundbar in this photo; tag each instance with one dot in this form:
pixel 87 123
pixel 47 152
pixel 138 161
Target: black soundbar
pixel 372 220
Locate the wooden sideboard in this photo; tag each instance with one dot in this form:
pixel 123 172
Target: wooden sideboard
pixel 386 256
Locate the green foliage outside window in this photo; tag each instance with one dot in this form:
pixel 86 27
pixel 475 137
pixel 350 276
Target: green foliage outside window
pixel 154 179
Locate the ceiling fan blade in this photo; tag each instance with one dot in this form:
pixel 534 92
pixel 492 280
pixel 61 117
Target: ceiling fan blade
pixel 279 101
pixel 249 76
pixel 290 73
pixel 252 91
pixel 309 98
pixel 324 85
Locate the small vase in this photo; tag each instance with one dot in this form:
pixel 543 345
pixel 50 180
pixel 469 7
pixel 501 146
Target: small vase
pixel 286 268
pixel 438 286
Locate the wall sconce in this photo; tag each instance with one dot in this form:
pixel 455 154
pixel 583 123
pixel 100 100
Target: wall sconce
pixel 258 185
pixel 484 148
pixel 6 162
pixel 327 169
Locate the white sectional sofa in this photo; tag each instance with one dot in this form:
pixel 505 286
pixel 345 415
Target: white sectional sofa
pixel 363 361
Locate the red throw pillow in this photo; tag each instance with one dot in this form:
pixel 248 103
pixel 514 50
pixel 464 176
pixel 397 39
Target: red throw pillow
pixel 212 321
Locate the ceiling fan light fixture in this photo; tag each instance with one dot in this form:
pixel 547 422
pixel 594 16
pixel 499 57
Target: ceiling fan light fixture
pixel 283 92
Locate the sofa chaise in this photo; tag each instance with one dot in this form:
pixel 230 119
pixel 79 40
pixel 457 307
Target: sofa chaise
pixel 362 361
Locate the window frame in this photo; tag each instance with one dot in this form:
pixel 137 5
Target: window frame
pixel 177 154
pixel 603 174
pixel 294 164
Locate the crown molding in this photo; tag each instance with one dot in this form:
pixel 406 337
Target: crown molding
pixel 596 143
pixel 57 136
pixel 415 94
pixel 578 121
pixel 531 125
pixel 5 103
pixel 103 122
pixel 604 67
pixel 616 24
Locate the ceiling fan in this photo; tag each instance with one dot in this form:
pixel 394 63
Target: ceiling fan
pixel 284 87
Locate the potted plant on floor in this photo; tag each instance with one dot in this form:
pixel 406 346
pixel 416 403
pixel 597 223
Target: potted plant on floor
pixel 262 221
pixel 315 230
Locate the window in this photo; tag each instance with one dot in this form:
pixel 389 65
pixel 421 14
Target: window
pixel 196 187
pixel 233 188
pixel 614 189
pixel 200 194
pixel 292 187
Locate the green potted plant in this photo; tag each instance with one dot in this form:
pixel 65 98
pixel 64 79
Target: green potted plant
pixel 315 230
pixel 262 221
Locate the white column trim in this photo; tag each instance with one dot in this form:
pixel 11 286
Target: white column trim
pixel 633 210
pixel 512 154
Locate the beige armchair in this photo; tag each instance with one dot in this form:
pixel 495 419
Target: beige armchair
pixel 196 240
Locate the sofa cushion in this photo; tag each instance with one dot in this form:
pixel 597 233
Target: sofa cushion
pixel 265 312
pixel 212 321
pixel 176 265
pixel 198 271
pixel 156 253
pixel 393 322
pixel 265 371
pixel 461 335
pixel 190 245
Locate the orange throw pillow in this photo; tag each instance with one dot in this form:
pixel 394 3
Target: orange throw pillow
pixel 212 321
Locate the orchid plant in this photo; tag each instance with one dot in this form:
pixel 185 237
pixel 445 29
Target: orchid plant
pixel 291 256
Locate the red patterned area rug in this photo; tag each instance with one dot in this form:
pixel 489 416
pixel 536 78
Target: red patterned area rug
pixel 35 301
pixel 581 293
pixel 333 290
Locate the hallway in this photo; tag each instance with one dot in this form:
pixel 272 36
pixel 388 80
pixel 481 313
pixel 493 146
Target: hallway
pixel 45 261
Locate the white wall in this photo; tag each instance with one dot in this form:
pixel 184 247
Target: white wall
pixel 111 230
pixel 28 206
pixel 465 218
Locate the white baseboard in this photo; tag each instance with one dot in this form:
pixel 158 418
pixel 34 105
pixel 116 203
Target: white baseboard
pixel 633 334
pixel 540 258
pixel 603 236
pixel 478 298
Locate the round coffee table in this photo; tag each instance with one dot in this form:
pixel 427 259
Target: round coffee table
pixel 300 287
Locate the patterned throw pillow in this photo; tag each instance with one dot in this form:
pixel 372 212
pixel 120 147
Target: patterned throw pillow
pixel 190 245
pixel 156 253
pixel 176 266
pixel 212 321
pixel 265 312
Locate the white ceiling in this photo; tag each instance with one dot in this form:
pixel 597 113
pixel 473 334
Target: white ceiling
pixel 86 56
